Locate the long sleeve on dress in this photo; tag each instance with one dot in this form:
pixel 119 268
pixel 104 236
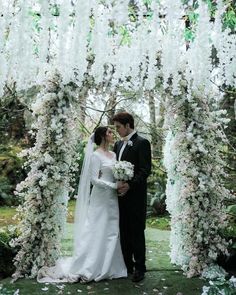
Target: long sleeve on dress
pixel 95 167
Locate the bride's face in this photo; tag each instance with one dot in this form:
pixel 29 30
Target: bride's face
pixel 109 136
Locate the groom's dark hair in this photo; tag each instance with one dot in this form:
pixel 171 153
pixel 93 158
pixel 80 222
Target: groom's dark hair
pixel 124 118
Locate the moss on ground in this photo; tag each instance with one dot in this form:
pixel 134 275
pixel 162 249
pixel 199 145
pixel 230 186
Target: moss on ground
pixel 156 282
pixel 162 278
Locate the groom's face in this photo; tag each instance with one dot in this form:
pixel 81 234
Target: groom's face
pixel 123 130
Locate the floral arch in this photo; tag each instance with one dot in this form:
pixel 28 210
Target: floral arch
pixel 67 47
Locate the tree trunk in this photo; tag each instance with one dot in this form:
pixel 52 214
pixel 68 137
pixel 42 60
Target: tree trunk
pixel 111 107
pixel 155 138
pixel 82 99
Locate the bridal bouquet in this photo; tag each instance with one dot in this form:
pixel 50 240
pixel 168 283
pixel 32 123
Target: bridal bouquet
pixel 123 170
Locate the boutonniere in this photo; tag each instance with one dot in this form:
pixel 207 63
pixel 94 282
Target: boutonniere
pixel 130 143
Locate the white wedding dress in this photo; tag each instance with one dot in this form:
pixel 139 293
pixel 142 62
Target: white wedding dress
pixel 97 254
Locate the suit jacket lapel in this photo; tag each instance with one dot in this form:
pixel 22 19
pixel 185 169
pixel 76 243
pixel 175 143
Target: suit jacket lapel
pixel 128 147
pixel 120 143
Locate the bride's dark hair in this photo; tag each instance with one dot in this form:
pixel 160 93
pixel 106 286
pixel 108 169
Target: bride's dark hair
pixel 99 134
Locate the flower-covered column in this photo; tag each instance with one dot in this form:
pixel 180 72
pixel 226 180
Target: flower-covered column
pixel 45 190
pixel 195 186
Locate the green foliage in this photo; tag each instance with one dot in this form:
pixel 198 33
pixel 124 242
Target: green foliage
pixel 149 14
pixel 157 179
pixel 230 232
pixel 11 118
pixel 125 36
pixel 147 2
pixel 7 214
pixel 132 13
pixel 7 253
pixel 221 286
pixel 188 34
pixel 230 150
pixel 230 158
pixel 11 173
pixel 162 223
pixel 6 188
pixel 156 188
pixel 35 20
pixel 211 6
pixel 229 19
pixel 55 9
pixel 193 17
pixel 231 210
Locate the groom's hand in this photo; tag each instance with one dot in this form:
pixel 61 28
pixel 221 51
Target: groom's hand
pixel 119 185
pixel 123 189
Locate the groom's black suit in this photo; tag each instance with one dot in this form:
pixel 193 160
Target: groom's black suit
pixel 132 206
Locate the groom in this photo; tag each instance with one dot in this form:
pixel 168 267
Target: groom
pixel 133 194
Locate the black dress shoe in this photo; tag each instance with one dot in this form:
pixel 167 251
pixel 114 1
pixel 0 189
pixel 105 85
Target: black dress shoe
pixel 130 271
pixel 138 276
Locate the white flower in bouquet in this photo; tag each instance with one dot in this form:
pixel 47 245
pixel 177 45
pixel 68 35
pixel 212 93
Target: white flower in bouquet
pixel 123 170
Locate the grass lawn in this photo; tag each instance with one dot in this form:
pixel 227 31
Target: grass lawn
pixel 159 222
pixel 162 277
pixel 71 209
pixel 7 214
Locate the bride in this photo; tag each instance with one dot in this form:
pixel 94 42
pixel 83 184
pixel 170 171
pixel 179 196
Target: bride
pixel 97 251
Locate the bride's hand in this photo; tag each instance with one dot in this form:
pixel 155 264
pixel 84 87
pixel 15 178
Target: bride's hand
pixel 119 184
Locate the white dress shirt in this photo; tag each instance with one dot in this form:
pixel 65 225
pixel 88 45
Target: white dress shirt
pixel 125 142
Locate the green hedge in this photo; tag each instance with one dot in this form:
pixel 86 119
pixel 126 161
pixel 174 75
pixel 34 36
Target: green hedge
pixel 7 253
pixel 156 189
pixel 11 173
pixel 229 261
